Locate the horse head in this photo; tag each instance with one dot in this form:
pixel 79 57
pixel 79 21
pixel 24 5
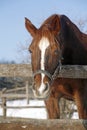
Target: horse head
pixel 45 52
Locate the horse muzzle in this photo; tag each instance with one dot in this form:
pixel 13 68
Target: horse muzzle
pixel 41 92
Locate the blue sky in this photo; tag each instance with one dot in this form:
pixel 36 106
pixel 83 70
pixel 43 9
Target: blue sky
pixel 12 13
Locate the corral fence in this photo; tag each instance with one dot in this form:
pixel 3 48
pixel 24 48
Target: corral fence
pixel 24 70
pixel 16 70
pixel 14 94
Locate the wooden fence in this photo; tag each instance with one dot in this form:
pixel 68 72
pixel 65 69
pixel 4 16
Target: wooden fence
pixel 40 124
pixel 15 93
pixel 24 70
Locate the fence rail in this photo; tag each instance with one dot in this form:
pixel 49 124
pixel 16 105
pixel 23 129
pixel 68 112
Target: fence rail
pixel 15 70
pixel 38 124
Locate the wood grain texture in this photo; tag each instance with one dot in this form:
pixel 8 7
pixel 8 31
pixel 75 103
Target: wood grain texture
pixel 39 124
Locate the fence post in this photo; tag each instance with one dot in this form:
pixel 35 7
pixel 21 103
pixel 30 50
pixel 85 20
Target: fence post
pixel 27 92
pixel 4 106
pixel 4 103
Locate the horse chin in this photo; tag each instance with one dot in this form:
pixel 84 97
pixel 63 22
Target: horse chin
pixel 41 97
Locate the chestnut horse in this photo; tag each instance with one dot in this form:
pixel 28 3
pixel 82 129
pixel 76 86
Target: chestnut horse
pixel 58 41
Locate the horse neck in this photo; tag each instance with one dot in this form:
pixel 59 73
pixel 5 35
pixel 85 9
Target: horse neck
pixel 81 37
pixel 75 36
pixel 74 43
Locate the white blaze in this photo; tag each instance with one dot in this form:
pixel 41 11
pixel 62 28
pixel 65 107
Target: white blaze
pixel 44 43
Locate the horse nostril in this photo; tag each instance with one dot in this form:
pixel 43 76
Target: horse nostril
pixel 46 87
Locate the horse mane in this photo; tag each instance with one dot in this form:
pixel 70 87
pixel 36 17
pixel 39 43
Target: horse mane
pixel 71 25
pixel 75 30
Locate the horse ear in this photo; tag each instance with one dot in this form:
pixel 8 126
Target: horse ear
pixel 30 27
pixel 55 24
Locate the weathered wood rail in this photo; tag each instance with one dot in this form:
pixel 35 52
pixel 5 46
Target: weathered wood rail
pixel 24 70
pixel 40 124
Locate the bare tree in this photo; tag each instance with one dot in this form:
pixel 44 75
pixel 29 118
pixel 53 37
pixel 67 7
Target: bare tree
pixel 23 53
pixel 82 24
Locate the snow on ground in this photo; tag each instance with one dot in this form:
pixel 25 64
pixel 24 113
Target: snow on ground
pixel 38 113
pixel 75 116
